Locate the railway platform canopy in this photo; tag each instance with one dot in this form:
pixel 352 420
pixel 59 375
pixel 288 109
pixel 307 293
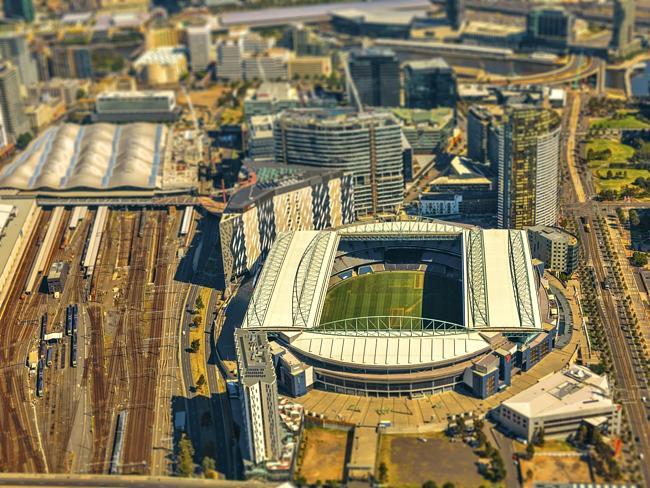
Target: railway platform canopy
pixel 92 157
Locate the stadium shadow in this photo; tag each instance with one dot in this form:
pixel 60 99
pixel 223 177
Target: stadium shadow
pixel 442 298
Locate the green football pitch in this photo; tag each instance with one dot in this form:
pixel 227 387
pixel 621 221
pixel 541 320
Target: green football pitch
pixel 404 293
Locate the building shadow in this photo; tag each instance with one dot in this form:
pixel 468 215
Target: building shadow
pixel 202 264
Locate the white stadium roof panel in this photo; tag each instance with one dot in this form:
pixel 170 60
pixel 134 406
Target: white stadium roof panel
pixel 388 350
pixel 99 156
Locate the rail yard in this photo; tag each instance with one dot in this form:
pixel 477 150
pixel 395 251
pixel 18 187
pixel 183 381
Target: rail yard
pixel 88 372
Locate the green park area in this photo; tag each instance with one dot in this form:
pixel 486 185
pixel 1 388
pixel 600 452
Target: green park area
pixel 620 120
pixel 614 168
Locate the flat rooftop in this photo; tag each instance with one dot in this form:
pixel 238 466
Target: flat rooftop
pixel 276 178
pixel 573 390
pixel 13 227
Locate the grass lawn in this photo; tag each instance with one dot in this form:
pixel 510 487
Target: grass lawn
pixel 630 121
pixel 411 462
pixel 620 153
pixel 403 293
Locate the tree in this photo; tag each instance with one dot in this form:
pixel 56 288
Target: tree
pixel 195 345
pixel 383 472
pixel 634 217
pixel 480 438
pixel 23 140
pixel 208 464
pixel 530 450
pixel 429 484
pixel 448 484
pixel 538 439
pixel 197 320
pixel 639 259
pixel 201 381
pixel 185 456
pixel 81 93
pixel 199 302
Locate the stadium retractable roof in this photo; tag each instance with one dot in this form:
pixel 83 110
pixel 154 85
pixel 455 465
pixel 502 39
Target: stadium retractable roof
pixel 499 288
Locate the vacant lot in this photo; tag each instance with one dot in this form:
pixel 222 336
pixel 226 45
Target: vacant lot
pixel 411 461
pixel 394 293
pixel 324 456
pixel 549 469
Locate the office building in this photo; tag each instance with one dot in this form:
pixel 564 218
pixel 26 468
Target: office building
pixel 13 110
pixel 479 119
pixel 527 148
pixel 313 67
pixel 279 198
pixel 549 27
pixel 557 248
pixel 455 10
pixel 303 41
pixel 4 139
pixel 15 48
pixel 260 142
pixel 624 19
pixel 439 204
pixel 367 144
pixel 229 60
pixel 258 392
pixel 19 9
pixel 429 84
pixel 162 66
pixel 270 65
pixel 376 74
pixel 270 98
pixel 136 106
pixel 462 177
pixel 427 131
pixel 559 404
pixel 198 47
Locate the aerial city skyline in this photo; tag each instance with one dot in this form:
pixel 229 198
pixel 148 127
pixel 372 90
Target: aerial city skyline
pixel 392 243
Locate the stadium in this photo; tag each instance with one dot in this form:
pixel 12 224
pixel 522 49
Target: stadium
pixel 404 308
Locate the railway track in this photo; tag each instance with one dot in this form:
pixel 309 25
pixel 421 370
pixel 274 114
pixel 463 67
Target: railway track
pixel 20 449
pixel 142 403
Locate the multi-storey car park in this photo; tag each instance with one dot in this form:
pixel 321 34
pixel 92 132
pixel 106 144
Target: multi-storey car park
pixel 405 307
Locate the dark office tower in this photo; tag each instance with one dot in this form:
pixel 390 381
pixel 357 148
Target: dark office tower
pixel 528 153
pixel 19 9
pixel 455 13
pixel 376 75
pixel 429 84
pixel 478 129
pixel 549 27
pixel 13 111
pixel 624 18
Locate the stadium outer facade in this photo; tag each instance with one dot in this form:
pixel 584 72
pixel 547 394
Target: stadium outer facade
pixel 505 325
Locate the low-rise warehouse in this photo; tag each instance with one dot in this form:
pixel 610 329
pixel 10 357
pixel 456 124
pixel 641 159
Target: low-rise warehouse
pixel 560 403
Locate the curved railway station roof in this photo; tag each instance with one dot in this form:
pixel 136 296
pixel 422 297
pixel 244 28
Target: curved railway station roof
pixel 99 157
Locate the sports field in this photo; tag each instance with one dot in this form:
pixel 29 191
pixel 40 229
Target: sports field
pixel 406 293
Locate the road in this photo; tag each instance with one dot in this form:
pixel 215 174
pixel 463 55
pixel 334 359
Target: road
pixel 628 379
